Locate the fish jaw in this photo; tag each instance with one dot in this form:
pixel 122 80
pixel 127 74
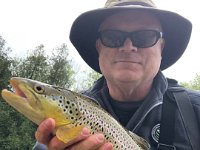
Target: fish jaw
pixel 31 104
pixel 22 101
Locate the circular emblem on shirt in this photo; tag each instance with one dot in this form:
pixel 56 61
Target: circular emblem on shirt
pixel 155 132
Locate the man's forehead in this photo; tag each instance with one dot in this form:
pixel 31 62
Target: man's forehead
pixel 130 17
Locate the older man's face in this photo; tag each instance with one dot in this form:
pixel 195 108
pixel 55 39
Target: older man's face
pixel 128 63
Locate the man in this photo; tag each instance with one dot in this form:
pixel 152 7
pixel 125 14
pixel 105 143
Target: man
pixel 130 42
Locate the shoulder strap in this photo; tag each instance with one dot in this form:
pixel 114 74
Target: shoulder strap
pixel 189 118
pixel 184 105
pixel 167 125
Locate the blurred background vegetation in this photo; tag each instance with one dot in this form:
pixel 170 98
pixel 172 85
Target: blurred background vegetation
pixel 17 132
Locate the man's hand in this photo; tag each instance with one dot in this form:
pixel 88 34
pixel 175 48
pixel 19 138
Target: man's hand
pixel 84 141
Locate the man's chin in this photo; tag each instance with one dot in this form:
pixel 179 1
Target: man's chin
pixel 128 76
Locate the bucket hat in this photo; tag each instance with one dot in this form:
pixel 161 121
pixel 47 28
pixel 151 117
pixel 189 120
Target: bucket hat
pixel 176 29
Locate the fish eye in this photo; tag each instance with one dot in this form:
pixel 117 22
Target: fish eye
pixel 39 89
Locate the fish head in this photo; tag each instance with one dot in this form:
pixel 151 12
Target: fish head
pixel 36 100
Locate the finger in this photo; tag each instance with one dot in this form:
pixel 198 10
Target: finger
pixel 56 144
pixel 106 146
pixel 91 143
pixel 44 131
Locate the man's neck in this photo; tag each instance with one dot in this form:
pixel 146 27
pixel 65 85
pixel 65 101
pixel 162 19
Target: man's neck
pixel 129 91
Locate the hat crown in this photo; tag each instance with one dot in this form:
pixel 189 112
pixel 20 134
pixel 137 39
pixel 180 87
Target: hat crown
pixel 147 3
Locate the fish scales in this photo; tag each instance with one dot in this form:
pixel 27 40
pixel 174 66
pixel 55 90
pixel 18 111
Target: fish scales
pixel 96 119
pixel 71 111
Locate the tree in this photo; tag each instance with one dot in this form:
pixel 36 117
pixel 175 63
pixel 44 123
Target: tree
pixel 90 76
pixel 194 84
pixel 35 66
pixel 12 124
pixel 55 70
pixel 5 62
pixel 61 71
pixel 16 131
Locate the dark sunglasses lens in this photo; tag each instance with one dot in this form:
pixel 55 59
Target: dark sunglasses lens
pixel 112 38
pixel 144 38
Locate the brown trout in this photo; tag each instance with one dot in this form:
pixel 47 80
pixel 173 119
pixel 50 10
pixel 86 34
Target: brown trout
pixel 71 111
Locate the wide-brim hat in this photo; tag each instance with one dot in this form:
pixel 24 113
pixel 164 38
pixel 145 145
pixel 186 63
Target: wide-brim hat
pixel 176 29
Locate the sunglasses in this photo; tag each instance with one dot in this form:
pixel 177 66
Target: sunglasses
pixel 139 38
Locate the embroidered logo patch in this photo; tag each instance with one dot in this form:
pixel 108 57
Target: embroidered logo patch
pixel 155 132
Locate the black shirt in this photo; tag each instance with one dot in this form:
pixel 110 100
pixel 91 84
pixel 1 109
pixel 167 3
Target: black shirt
pixel 124 110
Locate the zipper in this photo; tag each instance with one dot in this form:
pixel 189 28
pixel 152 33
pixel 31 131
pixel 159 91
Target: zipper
pixel 144 116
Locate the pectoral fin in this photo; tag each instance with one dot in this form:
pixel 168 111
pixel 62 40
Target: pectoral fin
pixel 67 133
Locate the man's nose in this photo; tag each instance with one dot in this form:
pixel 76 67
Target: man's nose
pixel 128 45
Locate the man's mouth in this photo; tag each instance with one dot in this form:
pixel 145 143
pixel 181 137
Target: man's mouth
pixel 127 61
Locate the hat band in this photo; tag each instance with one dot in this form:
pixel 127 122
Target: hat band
pixel 134 3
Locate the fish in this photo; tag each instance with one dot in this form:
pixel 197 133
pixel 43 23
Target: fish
pixel 71 111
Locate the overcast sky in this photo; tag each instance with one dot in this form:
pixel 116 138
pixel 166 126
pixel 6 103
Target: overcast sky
pixel 25 24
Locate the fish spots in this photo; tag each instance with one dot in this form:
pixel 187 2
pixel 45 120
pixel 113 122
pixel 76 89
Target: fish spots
pixel 81 111
pixel 97 120
pixel 69 108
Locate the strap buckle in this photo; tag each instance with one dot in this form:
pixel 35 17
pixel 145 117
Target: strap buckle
pixel 162 146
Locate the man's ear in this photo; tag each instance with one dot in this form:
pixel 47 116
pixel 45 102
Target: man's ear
pixel 162 44
pixel 98 45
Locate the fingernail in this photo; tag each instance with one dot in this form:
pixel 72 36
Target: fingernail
pixel 109 146
pixel 100 138
pixel 85 132
pixel 49 122
pixel 38 136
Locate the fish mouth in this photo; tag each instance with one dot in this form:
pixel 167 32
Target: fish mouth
pixel 19 90
pixel 15 89
pixel 19 96
pixel 16 92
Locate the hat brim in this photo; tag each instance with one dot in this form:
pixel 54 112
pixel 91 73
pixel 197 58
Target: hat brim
pixel 176 29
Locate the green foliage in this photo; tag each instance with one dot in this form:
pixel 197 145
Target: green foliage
pixel 35 66
pixel 61 72
pixel 194 84
pixel 88 81
pixel 16 131
pixel 5 63
pixel 55 70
